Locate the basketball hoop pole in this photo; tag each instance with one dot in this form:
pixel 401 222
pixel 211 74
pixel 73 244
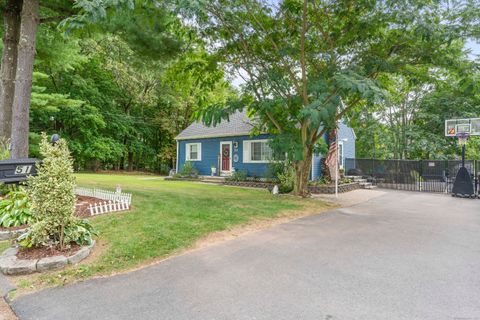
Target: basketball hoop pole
pixel 462 140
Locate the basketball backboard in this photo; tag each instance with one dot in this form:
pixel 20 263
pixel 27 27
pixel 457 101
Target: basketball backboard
pixel 461 127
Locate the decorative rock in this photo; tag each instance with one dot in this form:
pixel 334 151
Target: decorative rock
pixel 11 265
pixel 51 263
pixel 275 189
pixel 10 252
pixel 14 266
pixel 10 234
pixel 79 256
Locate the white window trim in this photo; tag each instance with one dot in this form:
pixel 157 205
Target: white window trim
pixel 199 151
pixel 246 151
pixel 341 164
pixel 221 155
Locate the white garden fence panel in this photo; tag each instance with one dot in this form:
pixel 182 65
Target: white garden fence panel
pixel 106 207
pixel 105 195
pixel 114 201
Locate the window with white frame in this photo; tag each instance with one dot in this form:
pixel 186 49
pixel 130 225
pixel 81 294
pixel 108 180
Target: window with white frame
pixel 341 158
pixel 194 151
pixel 256 151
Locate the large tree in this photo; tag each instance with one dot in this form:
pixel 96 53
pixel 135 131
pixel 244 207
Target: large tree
pixel 11 30
pixel 307 63
pixel 20 33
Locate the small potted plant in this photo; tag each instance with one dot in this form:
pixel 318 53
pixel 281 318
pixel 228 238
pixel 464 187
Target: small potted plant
pixel 214 170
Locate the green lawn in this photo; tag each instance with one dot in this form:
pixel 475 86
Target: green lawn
pixel 167 217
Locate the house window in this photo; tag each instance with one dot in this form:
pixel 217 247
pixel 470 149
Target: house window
pixel 341 158
pixel 194 151
pixel 256 151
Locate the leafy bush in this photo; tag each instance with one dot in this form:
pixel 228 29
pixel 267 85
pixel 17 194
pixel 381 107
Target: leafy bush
pixel 53 199
pixel 238 175
pixel 80 232
pixel 320 181
pixel 275 168
pixel 15 209
pixel 287 179
pixel 188 171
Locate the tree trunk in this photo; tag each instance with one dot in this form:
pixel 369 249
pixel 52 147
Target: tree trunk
pixel 11 18
pixel 23 79
pixel 302 173
pixel 130 159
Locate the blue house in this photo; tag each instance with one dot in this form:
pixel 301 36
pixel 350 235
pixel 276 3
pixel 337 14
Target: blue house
pixel 228 146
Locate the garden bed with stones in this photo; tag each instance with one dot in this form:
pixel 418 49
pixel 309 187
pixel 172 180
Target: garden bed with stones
pixel 11 262
pixel 81 211
pixel 330 188
pixel 11 233
pixel 313 189
pixel 251 184
pixel 182 179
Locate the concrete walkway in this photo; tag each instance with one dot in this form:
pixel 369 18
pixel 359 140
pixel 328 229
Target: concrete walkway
pixel 397 256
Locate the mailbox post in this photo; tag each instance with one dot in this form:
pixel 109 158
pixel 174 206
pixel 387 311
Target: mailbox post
pixel 17 170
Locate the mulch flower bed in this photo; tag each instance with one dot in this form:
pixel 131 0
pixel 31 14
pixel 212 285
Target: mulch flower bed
pixel 82 205
pixel 44 252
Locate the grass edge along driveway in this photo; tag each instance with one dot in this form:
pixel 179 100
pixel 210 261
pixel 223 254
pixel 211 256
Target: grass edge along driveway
pixel 167 218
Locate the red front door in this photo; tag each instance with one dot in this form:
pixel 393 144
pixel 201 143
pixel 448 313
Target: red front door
pixel 225 157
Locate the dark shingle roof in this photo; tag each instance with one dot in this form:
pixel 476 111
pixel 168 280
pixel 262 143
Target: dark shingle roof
pixel 238 125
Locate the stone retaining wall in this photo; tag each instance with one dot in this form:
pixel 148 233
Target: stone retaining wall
pixel 11 265
pixel 313 189
pixel 331 188
pixel 10 234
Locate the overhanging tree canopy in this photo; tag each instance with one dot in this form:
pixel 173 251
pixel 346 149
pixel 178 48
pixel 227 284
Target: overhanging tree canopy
pixel 300 59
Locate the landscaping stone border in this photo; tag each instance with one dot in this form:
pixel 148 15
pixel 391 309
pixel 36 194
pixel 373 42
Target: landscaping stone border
pixel 313 189
pixel 182 179
pixel 10 234
pixel 330 189
pixel 11 265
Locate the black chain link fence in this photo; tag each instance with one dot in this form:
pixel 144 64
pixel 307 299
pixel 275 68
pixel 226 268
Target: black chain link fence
pixel 412 175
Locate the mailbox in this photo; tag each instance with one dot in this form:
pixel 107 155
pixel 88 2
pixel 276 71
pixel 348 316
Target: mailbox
pixel 17 170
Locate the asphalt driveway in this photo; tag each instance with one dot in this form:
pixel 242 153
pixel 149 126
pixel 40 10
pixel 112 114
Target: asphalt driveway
pixel 398 256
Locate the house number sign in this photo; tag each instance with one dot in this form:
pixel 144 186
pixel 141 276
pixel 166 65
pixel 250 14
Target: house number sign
pixel 235 157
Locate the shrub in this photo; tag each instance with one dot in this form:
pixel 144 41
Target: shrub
pixel 15 209
pixel 238 175
pixel 188 170
pixel 275 168
pixel 320 181
pixel 52 198
pixel 80 232
pixel 287 179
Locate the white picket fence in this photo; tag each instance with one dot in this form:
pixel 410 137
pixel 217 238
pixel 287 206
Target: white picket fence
pixel 106 207
pixel 105 195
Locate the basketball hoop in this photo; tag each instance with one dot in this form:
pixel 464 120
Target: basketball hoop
pixel 463 138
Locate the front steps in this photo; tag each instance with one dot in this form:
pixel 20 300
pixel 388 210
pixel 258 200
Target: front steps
pixel 364 184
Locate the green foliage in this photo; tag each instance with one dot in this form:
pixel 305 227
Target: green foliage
pixel 320 181
pixel 80 232
pixel 188 170
pixel 274 168
pixel 15 209
pixel 305 65
pixel 287 179
pixel 53 198
pixel 238 175
pixel 4 152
